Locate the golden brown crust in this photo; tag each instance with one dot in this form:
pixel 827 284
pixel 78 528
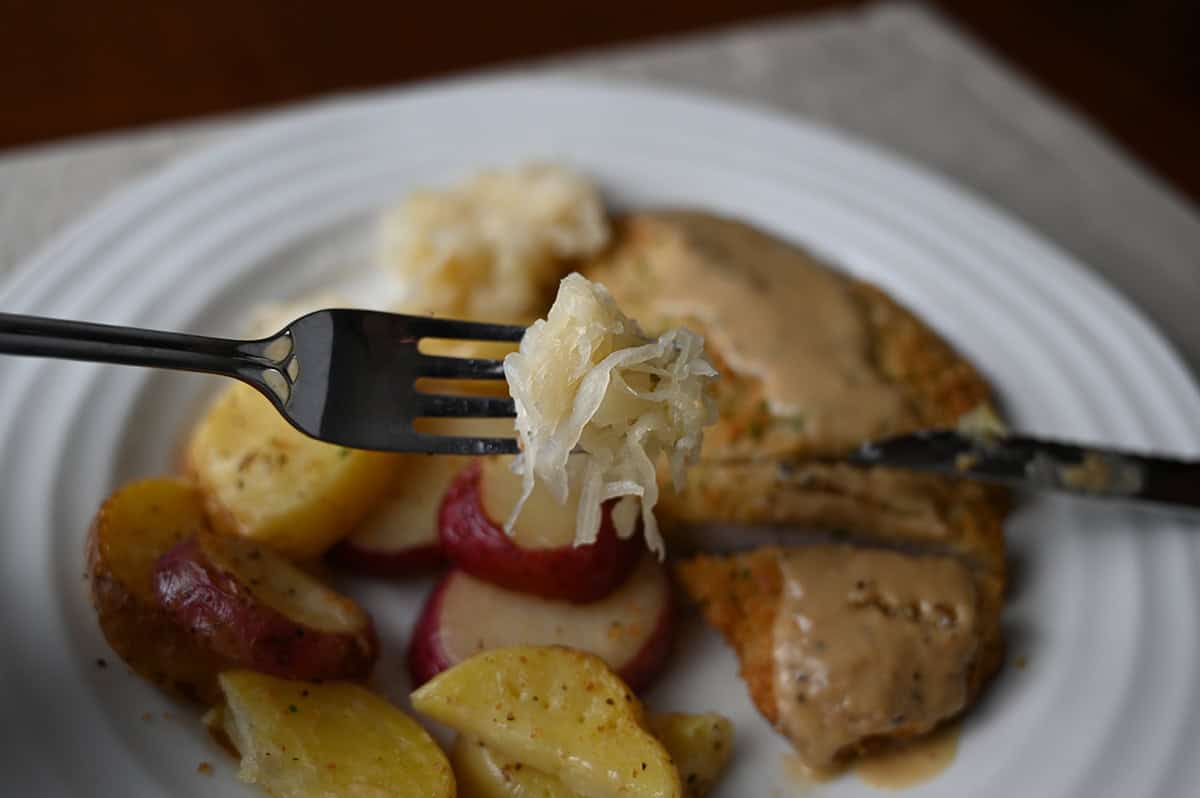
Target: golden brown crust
pixel 739 596
pixel 941 385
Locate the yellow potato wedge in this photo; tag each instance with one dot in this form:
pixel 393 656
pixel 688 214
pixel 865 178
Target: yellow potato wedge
pixel 266 481
pixel 561 711
pixel 304 740
pixel 133 528
pixel 701 746
pixel 482 773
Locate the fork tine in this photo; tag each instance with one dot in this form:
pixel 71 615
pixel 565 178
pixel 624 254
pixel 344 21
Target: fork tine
pixel 432 405
pixel 452 444
pixel 460 368
pixel 428 327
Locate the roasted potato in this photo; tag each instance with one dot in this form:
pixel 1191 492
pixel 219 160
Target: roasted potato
pixel 482 773
pixel 266 481
pixel 699 744
pixel 540 557
pixel 134 527
pixel 630 629
pixel 302 740
pixel 558 710
pixel 400 537
pixel 248 605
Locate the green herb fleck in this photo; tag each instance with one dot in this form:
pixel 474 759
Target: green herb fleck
pixel 292 708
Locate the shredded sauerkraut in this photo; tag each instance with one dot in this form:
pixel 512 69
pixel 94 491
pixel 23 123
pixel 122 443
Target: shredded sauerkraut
pixel 492 247
pixel 587 380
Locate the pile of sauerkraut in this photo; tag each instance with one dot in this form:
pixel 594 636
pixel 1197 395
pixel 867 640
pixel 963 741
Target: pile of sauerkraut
pixel 598 403
pixel 491 248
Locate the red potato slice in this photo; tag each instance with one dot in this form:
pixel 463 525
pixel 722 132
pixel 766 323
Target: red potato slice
pixel 257 610
pixel 135 526
pixel 401 537
pixel 540 557
pixel 630 629
pixel 392 543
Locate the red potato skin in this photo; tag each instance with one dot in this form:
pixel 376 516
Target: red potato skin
pixel 651 659
pixel 221 613
pixel 388 563
pixel 427 658
pixel 480 546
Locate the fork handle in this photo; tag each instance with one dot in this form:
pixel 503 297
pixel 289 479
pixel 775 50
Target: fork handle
pixel 249 361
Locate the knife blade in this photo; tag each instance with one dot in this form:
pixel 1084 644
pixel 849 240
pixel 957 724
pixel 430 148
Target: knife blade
pixel 1039 464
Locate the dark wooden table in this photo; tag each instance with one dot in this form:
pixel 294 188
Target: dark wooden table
pixel 68 68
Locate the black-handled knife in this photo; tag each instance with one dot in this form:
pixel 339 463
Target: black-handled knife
pixel 1041 465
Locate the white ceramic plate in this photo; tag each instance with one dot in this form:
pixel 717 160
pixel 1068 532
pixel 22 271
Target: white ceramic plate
pixel 1105 606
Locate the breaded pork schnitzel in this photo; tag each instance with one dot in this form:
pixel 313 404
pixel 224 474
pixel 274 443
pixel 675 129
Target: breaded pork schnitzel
pixel 813 363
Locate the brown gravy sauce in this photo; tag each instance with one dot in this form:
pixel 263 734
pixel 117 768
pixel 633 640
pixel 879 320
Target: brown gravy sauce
pixel 897 767
pixel 777 314
pixel 799 777
pixel 914 763
pixel 868 642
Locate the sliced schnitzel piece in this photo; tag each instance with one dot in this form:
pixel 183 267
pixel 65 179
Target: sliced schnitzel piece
pixel 884 506
pixel 843 647
pixel 813 361
pixel 830 363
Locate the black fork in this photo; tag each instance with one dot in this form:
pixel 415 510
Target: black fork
pixel 344 376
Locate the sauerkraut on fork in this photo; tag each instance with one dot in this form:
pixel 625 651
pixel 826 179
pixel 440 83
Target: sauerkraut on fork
pixel 598 404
